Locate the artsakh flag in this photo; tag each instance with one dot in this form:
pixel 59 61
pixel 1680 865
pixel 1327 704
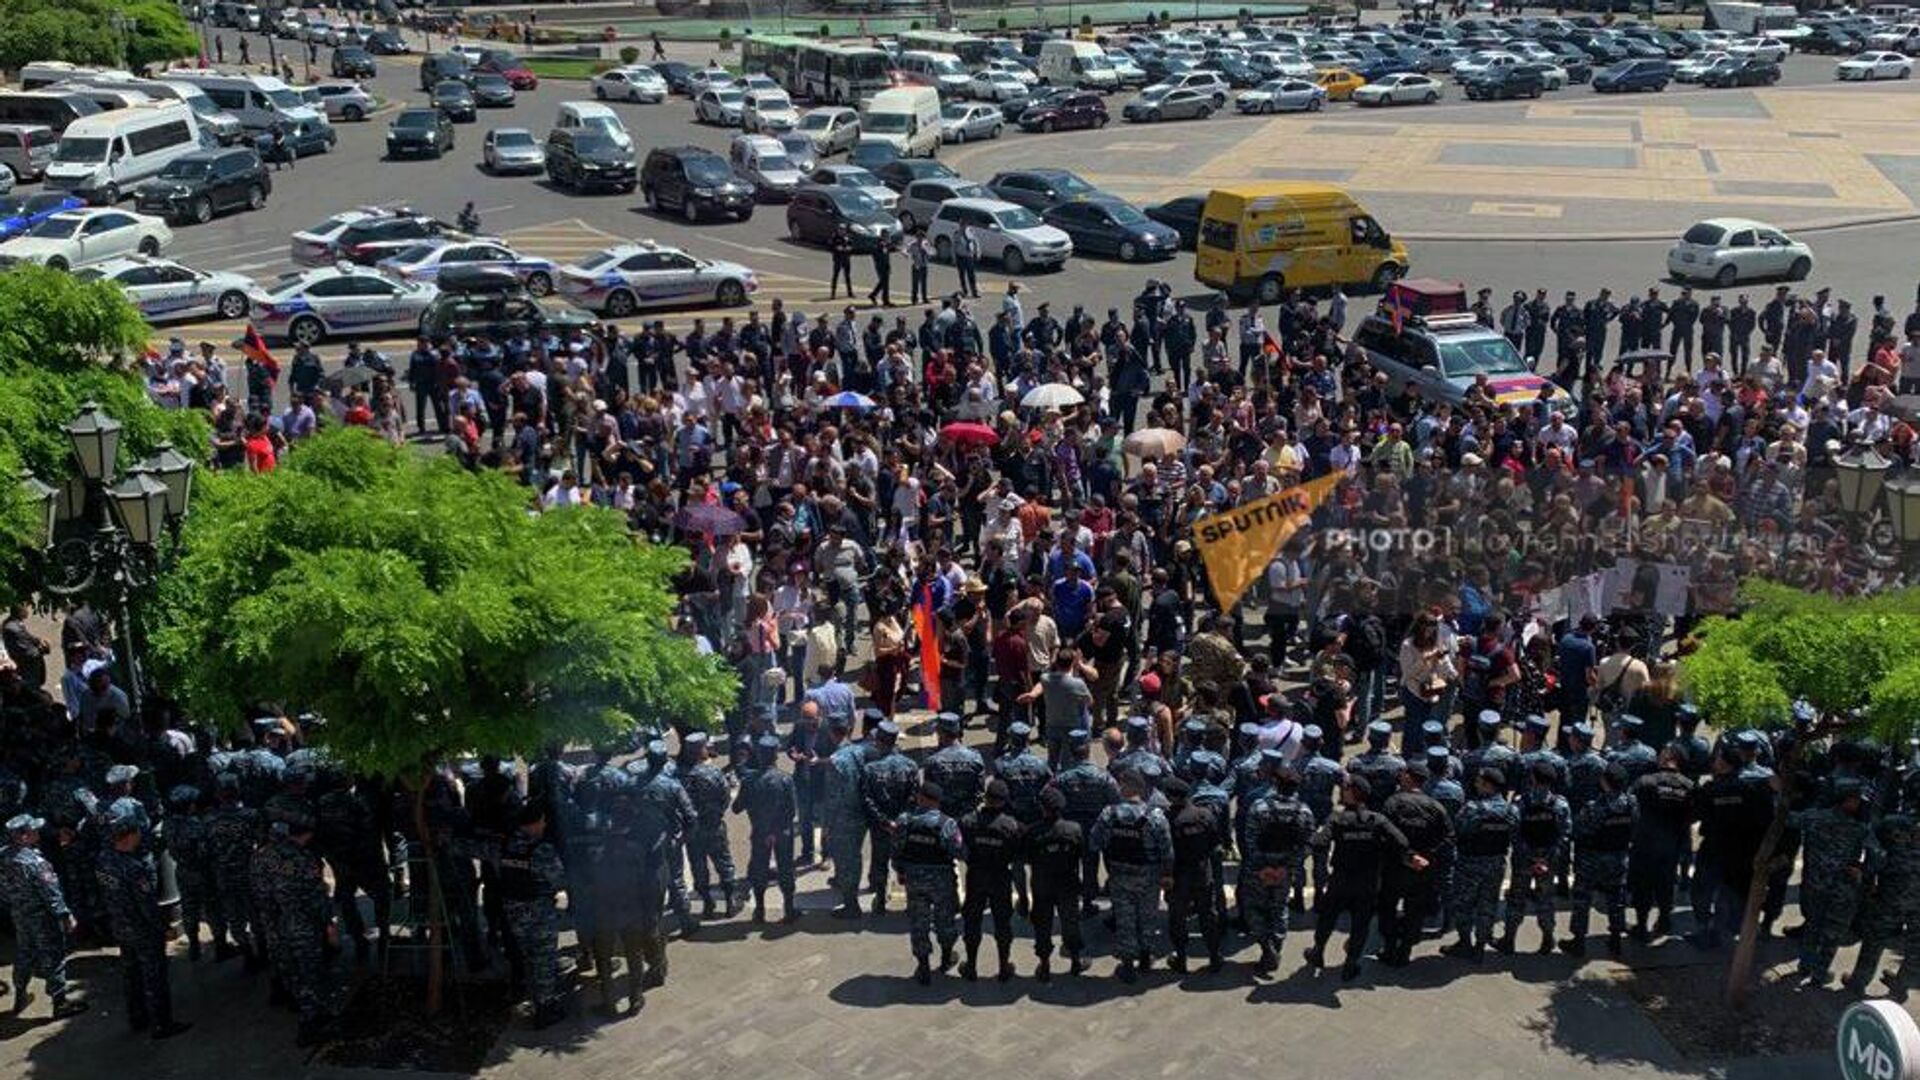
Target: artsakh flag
pixel 927 626
pixel 254 347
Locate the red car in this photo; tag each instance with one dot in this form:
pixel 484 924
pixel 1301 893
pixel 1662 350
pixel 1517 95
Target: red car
pixel 1072 111
pixel 504 63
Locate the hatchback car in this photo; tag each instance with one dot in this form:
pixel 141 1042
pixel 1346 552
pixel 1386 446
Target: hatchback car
pixel 922 198
pixel 513 150
pixel 1282 95
pixel 1726 251
pixel 1157 103
pixel 722 105
pixel 1076 110
pixel 1634 75
pixel 832 128
pixel 455 101
pixel 419 133
pixel 636 83
pixel 900 172
pixel 1037 189
pixel 1108 226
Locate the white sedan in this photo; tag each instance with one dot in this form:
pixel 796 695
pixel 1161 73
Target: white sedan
pixel 769 111
pixel 1693 67
pixel 635 83
pixel 1282 95
pixel 723 106
pixel 75 238
pixel 1484 61
pixel 313 305
pixel 961 122
pixel 624 278
pixel 1765 48
pixel 1726 251
pixel 1873 65
pixel 1019 71
pixel 166 291
pixel 1400 88
pixel 424 261
pixel 997 86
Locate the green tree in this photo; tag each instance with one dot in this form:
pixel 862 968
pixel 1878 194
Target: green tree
pixel 83 32
pixel 63 342
pixel 422 610
pixel 1855 661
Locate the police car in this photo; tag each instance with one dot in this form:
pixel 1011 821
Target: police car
pixel 425 260
pixel 311 306
pixel 627 277
pixel 166 291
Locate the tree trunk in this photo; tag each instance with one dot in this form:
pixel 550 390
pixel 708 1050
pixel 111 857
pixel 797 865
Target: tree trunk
pixel 436 926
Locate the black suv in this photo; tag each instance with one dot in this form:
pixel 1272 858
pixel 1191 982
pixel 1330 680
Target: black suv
pixel 387 43
pixel 693 181
pixel 584 159
pixel 493 303
pixel 352 62
pixel 427 132
pixel 442 66
pixel 197 186
pixel 1510 81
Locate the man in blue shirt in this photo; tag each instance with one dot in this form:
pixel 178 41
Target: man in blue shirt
pixel 1577 661
pixel 832 697
pixel 1072 600
pixel 1065 553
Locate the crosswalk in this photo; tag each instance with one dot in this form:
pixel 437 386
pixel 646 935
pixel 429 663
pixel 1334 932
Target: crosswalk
pixel 564 241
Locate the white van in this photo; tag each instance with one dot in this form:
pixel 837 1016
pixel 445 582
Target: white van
pixel 575 115
pixel 1077 63
pixel 907 117
pixel 109 98
pixel 42 73
pixel 101 157
pixel 257 101
pixel 942 71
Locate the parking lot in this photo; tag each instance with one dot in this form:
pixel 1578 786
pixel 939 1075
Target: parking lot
pixel 1572 190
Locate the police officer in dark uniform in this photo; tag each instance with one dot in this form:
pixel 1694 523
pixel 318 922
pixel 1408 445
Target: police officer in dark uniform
pixel 1410 890
pixel 130 892
pixel 1539 314
pixel 1363 841
pixel 1594 317
pixel 769 800
pixel 1682 314
pixel 1055 847
pixel 1198 834
pixel 841 247
pixel 926 843
pixel 992 837
pixel 1660 833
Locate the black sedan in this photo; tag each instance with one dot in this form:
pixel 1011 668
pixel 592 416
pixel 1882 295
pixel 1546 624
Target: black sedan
pixel 421 133
pixel 676 74
pixel 352 62
pixel 387 43
pixel 1182 215
pixel 900 172
pixel 491 90
pixel 1108 226
pixel 1741 71
pixel 454 99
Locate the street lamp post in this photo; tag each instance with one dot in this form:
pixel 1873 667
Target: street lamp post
pixel 115 528
pixel 1861 474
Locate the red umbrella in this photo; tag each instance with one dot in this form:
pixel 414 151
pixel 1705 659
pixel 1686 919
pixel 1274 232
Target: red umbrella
pixel 970 434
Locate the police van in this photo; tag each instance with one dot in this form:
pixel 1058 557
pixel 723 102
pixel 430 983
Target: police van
pixel 100 157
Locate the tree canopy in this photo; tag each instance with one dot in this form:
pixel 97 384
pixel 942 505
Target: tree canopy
pixel 63 342
pixel 1840 655
pixel 422 610
pixel 82 32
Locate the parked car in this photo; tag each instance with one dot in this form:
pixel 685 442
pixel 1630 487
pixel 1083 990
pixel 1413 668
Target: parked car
pixel 455 101
pixel 963 122
pixel 998 86
pixel 1108 226
pixel 581 159
pixel 1182 215
pixel 387 43
pixel 636 82
pixel 1011 235
pixel 832 128
pixel 197 186
pixel 166 291
pixel 620 280
pixel 900 172
pixel 769 111
pixel 1282 95
pixel 513 150
pixel 1508 81
pixel 351 62
pixel 817 212
pixel 430 259
pixel 1074 110
pixel 1339 82
pixel 1037 189
pixel 853 176
pixel 1741 71
pixel 1634 75
pixel 346 101
pixel 1727 251
pixel 1169 103
pixel 723 105
pixel 695 182
pixel 923 197
pixel 1404 88
pixel 74 238
pixel 1874 65
pixel 419 132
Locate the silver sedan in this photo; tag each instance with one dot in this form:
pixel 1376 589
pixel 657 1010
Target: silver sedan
pixel 961 122
pixel 512 150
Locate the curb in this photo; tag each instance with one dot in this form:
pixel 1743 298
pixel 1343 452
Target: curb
pixel 1816 226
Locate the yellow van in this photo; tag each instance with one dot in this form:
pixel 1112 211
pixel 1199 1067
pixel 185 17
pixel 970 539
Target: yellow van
pixel 1259 240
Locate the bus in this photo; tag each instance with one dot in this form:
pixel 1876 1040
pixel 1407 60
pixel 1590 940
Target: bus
pixel 777 56
pixel 840 74
pixel 972 51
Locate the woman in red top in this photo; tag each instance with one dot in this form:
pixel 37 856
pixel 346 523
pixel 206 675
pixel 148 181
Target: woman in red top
pixel 258 445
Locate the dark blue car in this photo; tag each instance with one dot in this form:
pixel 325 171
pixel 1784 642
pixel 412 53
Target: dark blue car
pixel 1631 75
pixel 18 213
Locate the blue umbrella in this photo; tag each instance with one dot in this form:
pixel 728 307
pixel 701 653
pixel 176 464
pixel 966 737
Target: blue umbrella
pixel 847 399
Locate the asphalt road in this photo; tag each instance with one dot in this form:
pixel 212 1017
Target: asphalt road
pixel 1857 263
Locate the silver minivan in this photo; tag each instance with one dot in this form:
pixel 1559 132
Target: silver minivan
pixel 25 149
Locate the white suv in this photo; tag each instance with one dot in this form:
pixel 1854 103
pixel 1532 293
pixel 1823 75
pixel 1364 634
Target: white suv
pixel 1007 233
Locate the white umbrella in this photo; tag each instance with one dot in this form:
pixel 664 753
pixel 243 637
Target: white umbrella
pixel 1052 396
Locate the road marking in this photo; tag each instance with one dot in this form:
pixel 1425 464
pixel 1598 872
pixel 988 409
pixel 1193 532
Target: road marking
pixel 755 250
pixel 227 250
pixel 1526 210
pixel 494 209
